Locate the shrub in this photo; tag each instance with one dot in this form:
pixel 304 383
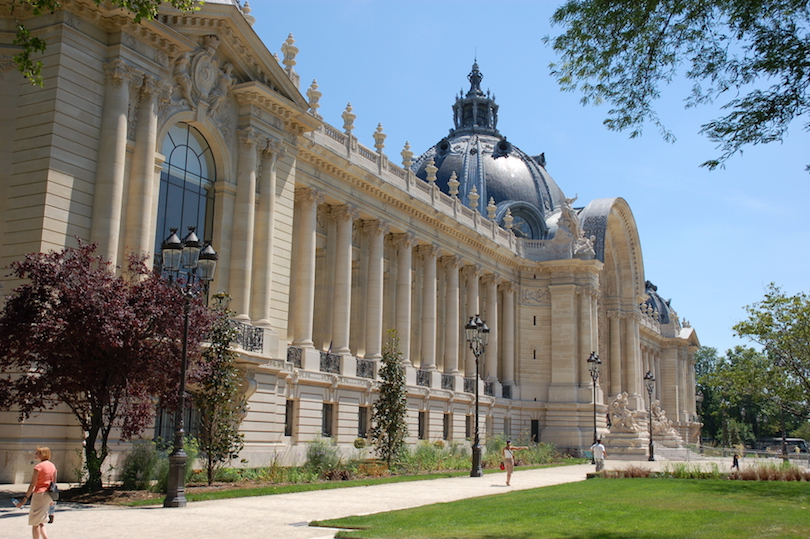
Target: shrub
pixel 140 465
pixel 191 448
pixel 629 472
pixel 322 456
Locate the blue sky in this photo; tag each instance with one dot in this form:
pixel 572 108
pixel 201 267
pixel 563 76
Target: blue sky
pixel 711 240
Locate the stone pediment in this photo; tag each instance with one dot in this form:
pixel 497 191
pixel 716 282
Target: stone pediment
pixel 238 45
pixel 173 33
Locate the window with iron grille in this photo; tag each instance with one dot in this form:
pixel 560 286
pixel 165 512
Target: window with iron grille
pixel 289 411
pixel 326 421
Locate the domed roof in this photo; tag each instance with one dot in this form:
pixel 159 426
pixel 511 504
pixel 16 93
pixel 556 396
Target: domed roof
pixel 483 160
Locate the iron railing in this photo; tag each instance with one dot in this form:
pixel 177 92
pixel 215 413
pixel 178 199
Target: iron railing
pixel 294 356
pixel 365 368
pixel 448 382
pixel 249 337
pixel 423 378
pixel 330 363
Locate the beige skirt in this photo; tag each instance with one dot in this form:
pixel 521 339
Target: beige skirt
pixel 40 502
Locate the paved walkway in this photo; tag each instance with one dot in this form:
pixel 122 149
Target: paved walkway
pixel 284 516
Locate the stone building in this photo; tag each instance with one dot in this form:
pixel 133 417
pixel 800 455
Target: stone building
pixel 325 244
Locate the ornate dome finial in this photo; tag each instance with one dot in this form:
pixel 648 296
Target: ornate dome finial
pixel 475 77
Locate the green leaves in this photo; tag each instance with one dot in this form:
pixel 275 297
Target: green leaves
pixel 624 52
pixel 391 410
pixel 30 45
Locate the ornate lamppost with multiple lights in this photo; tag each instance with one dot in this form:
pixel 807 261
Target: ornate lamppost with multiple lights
pixel 477 334
pixel 198 262
pixel 649 380
pixel 593 367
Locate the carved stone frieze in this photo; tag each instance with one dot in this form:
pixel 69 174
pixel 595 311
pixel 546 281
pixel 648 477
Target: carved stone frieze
pixel 535 296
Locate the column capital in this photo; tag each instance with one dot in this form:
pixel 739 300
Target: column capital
pixel 273 149
pixel 491 279
pixel 451 261
pixel 344 212
pixel 375 227
pixel 248 137
pixel 308 195
pixel 118 71
pixel 472 271
pixel 403 239
pixel 150 88
pixel 509 286
pixel 430 251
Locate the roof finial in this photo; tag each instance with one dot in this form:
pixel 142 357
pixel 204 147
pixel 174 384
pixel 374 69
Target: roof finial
pixel 475 78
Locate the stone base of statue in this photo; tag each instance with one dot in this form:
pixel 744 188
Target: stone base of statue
pixel 626 445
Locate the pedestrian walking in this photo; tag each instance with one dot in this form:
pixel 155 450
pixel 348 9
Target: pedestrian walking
pixel 599 455
pixel 509 459
pixel 44 475
pixel 735 462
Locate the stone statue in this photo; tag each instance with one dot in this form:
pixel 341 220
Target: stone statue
pixel 183 79
pixel 621 417
pixel 660 423
pixel 224 83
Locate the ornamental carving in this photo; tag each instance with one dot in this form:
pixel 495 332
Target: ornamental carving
pixel 203 78
pixel 621 417
pixel 535 297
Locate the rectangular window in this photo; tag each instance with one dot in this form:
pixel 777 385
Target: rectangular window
pixel 468 427
pixel 326 423
pixel 446 423
pixel 362 422
pixel 536 430
pixel 289 410
pixel 507 427
pixel 422 427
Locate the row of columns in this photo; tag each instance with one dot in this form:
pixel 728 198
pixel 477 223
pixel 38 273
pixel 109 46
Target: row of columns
pixel 249 246
pixel 501 343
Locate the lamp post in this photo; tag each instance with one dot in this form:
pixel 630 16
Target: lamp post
pixel 593 367
pixel 649 380
pixel 477 334
pixel 199 264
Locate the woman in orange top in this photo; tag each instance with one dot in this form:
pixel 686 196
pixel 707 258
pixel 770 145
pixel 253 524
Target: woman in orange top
pixel 44 474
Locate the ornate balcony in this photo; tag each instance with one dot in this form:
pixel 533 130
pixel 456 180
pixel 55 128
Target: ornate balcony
pixel 294 356
pixel 507 392
pixel 248 337
pixel 489 389
pixel 469 385
pixel 365 368
pixel 423 378
pixel 330 363
pixel 448 382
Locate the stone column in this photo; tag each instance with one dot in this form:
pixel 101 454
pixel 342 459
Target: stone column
pixel 139 235
pixel 508 291
pixel 243 223
pixel 108 190
pixel 264 238
pixel 491 371
pixel 307 200
pixel 404 243
pixel 616 385
pixel 632 363
pixel 472 273
pixel 429 254
pixel 344 216
pixel 587 343
pixel 452 327
pixel 376 231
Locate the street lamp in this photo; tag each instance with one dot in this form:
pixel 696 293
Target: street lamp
pixel 593 367
pixel 199 262
pixel 649 380
pixel 477 334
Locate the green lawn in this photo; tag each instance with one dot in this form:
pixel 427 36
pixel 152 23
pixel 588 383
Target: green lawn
pixel 607 509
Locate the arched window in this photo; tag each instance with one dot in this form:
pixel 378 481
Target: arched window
pixel 186 185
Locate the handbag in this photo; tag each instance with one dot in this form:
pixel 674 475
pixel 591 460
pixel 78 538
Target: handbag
pixel 503 466
pixel 53 491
